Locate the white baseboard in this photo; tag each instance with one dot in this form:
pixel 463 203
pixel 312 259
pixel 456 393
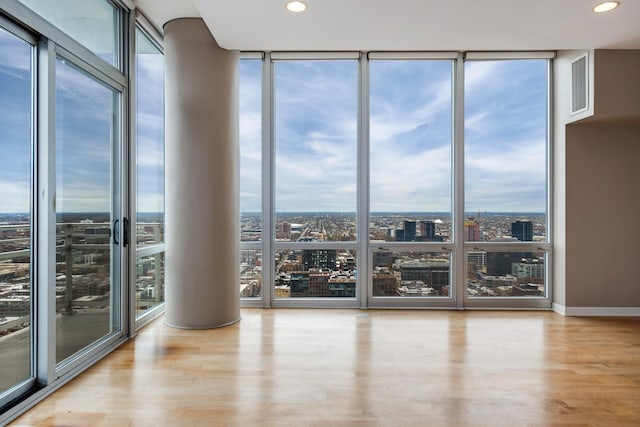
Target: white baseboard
pixel 597 311
pixel 559 308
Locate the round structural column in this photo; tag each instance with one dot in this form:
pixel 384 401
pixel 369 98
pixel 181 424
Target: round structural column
pixel 202 207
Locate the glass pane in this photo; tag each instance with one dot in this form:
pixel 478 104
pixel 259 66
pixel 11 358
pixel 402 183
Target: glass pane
pixel 316 116
pixel 92 23
pixel 506 274
pixel 506 150
pixel 150 141
pixel 315 273
pixel 411 111
pixel 149 282
pixel 411 274
pixel 250 110
pixel 86 133
pixel 15 210
pixel 250 273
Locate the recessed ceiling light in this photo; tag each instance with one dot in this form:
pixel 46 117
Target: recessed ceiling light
pixel 296 6
pixel 606 6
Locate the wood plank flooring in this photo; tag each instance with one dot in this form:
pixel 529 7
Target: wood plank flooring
pixel 295 367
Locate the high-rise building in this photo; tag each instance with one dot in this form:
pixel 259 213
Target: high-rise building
pixel 318 284
pixel 322 259
pixel 471 230
pixel 299 284
pixel 428 231
pixel 522 230
pixel 385 284
pixel 433 273
pixel 383 258
pixel 409 231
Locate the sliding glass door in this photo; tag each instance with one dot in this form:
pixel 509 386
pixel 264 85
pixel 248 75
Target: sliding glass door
pixel 16 261
pixel 89 230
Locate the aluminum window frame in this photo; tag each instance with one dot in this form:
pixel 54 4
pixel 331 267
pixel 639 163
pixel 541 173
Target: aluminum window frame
pixel 118 205
pixel 52 42
pixel 541 302
pixel 269 166
pixel 457 247
pixel 448 246
pixel 139 22
pixel 22 387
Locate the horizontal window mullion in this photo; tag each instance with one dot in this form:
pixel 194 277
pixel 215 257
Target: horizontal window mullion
pixel 297 56
pixel 412 55
pixel 31 19
pixel 109 77
pixel 412 246
pixel 507 246
pixel 251 245
pixel 315 245
pixel 18 31
pixel 150 31
pixel 510 55
pixel 252 55
pixel 143 251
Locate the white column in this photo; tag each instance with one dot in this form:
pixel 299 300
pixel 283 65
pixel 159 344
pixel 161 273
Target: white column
pixel 202 208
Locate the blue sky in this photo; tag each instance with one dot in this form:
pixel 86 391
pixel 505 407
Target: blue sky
pixel 316 108
pixel 85 117
pixel 316 135
pixel 150 128
pixel 410 135
pixel 15 123
pixel 85 113
pixel 505 135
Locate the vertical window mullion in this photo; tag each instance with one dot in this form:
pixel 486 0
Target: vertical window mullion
pixel 268 180
pixel 46 225
pixel 458 282
pixel 362 215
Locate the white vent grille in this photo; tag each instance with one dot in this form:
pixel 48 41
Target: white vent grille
pixel 579 84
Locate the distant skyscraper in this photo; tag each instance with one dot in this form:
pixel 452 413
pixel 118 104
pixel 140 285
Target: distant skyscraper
pixel 522 230
pixel 409 231
pixel 321 259
pixel 472 230
pixel 428 231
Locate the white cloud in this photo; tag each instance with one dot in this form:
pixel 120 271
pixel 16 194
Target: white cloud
pixel 15 197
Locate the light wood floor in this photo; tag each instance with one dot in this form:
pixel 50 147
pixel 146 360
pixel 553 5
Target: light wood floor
pixel 291 367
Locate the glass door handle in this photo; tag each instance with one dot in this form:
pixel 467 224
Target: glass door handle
pixel 116 232
pixel 125 231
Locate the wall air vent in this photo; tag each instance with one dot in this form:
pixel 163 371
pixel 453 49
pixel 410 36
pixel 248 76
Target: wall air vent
pixel 579 84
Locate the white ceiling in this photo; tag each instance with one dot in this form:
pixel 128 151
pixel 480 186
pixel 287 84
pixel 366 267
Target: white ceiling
pixel 393 25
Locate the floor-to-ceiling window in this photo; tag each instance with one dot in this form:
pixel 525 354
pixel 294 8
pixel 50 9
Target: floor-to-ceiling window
pixel 413 179
pixel 410 179
pixel 16 223
pixel 149 167
pixel 315 110
pixel 250 137
pixel 66 130
pixel 87 141
pixel 506 179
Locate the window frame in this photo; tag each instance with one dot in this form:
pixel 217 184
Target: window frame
pixel 270 245
pixel 50 42
pixel 25 385
pixel 153 36
pixel 541 302
pixel 457 247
